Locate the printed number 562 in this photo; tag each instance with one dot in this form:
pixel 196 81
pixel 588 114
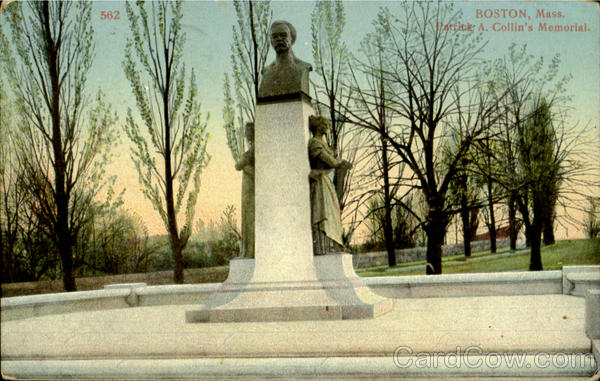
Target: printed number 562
pixel 109 15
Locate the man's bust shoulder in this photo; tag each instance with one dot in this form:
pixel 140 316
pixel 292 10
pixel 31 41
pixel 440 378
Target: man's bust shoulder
pixel 299 64
pixel 267 68
pixel 304 65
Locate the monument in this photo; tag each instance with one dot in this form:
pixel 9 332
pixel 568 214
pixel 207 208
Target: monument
pixel 285 281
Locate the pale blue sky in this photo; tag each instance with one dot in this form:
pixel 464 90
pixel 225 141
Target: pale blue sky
pixel 208 25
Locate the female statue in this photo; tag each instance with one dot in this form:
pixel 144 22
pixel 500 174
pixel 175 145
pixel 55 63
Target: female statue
pixel 246 164
pixel 325 209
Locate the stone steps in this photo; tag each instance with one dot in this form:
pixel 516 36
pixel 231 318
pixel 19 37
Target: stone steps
pixel 342 368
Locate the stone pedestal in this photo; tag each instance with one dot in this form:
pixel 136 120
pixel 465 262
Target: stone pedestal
pixel 282 282
pixel 336 274
pixel 336 293
pixel 283 239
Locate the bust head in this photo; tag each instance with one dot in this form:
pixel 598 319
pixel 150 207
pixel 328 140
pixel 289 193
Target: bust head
pixel 283 36
pixel 318 125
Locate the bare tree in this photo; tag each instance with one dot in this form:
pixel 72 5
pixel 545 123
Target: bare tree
pixel 431 70
pixel 464 195
pixel 171 117
pixel 372 112
pixel 11 195
pixel 60 151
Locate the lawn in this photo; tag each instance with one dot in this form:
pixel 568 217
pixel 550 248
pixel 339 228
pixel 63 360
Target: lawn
pixel 563 253
pixel 200 275
pixel 554 257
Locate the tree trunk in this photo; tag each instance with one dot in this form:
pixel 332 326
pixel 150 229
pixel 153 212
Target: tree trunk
pixel 435 240
pixel 535 239
pixel 464 214
pixel 169 196
pixel 8 255
pixel 549 225
pixel 62 234
pixel 435 229
pixel 512 221
pixel 473 223
pixel 178 259
pixel 388 231
pixel 65 249
pixel 535 261
pixel 174 235
pixel 492 225
pixel 535 235
pixel 528 233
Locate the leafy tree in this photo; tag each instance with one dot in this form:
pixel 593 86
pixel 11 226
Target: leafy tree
pixel 535 111
pixel 61 151
pixel 549 213
pixel 591 223
pixel 540 161
pixel 524 78
pixel 331 58
pixel 332 97
pixel 171 119
pixel 251 42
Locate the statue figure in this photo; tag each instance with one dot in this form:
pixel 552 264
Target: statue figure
pixel 246 164
pixel 325 209
pixel 287 74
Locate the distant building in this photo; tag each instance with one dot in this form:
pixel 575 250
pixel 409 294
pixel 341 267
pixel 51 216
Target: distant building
pixel 503 232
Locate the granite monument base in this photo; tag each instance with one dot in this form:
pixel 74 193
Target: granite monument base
pixel 337 293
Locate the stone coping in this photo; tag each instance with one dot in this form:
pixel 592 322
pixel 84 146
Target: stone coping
pixel 63 297
pixel 578 279
pixel 453 285
pixel 124 285
pixel 509 276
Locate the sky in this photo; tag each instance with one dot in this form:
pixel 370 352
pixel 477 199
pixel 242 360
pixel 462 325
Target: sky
pixel 208 25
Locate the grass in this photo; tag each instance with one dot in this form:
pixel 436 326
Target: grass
pixel 554 257
pixel 199 275
pixel 458 257
pixel 563 253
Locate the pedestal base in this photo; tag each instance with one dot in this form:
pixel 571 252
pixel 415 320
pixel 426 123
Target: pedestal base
pixel 337 294
pixel 341 283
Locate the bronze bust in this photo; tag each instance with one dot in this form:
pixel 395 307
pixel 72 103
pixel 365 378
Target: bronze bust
pixel 287 75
